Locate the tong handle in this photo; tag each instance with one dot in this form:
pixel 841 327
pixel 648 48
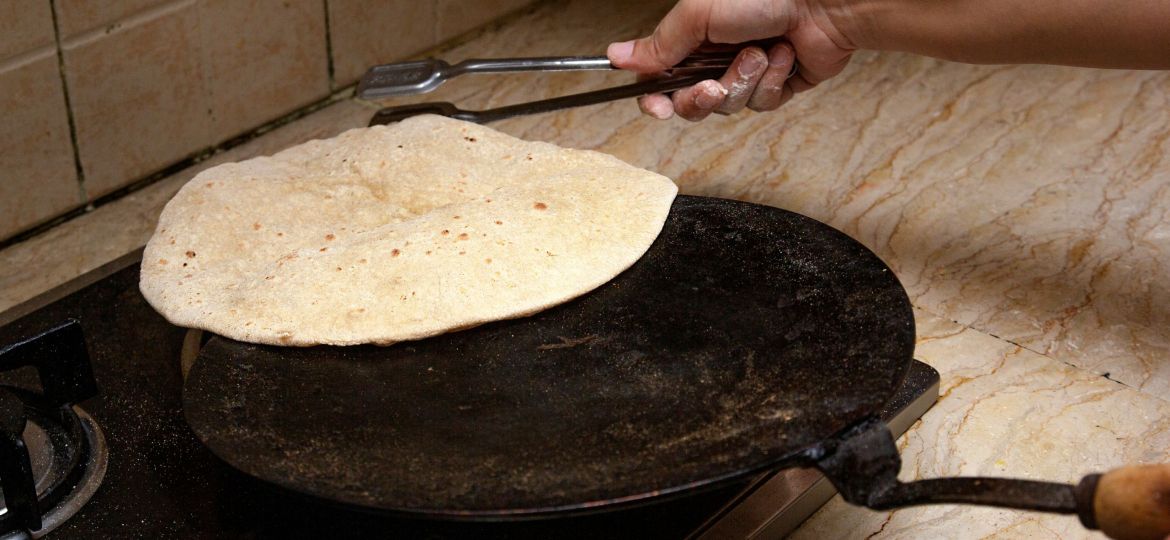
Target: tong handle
pixel 394 114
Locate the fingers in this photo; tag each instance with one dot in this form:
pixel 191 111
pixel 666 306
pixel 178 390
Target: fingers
pixel 680 32
pixel 657 105
pixel 741 79
pixel 773 89
pixel 696 102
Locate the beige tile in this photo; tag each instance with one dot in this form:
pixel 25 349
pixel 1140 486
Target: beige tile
pixel 77 16
pixel 89 241
pixel 37 177
pixel 264 59
pixel 138 96
pixel 367 32
pixel 24 25
pixel 454 17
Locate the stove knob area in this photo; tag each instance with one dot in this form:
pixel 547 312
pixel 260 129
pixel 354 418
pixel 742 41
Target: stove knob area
pixel 16 474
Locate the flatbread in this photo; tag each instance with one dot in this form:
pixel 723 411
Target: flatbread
pixel 394 233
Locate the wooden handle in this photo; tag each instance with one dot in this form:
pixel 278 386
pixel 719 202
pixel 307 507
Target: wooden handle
pixel 1133 503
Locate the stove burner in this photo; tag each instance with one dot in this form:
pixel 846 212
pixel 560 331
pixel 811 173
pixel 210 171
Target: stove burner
pixel 52 454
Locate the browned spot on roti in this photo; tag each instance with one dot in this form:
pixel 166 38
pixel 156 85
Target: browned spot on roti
pixel 255 226
pixel 329 236
pixel 454 217
pixel 428 252
pixel 463 236
pixel 540 206
pixel 463 253
pixel 190 254
pixel 469 139
pixel 209 184
pixel 362 261
pixel 162 262
pixel 487 261
pixel 487 200
pixel 394 252
pixel 184 265
pixel 338 268
pixel 498 222
pixel 323 249
pixel 445 232
pixel 279 234
pixel 528 157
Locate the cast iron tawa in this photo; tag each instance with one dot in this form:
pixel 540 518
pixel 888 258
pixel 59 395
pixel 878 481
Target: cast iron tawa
pixel 745 335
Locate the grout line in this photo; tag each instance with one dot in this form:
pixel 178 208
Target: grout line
pixel 131 21
pixel 328 45
pixel 177 167
pixel 20 60
pixel 201 155
pixel 81 193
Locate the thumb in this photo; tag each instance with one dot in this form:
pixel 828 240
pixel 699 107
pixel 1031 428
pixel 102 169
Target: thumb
pixel 679 33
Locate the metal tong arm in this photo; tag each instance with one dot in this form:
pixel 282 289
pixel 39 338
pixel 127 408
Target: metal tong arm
pixel 546 63
pixel 394 114
pixel 422 76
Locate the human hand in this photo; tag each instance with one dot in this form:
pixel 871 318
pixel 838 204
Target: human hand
pixel 757 79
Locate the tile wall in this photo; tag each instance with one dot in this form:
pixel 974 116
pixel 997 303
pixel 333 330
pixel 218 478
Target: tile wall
pixel 97 94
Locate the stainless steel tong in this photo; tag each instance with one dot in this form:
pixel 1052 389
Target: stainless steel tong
pixel 408 78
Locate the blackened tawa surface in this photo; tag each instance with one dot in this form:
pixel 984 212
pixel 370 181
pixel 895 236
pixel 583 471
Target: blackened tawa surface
pixel 744 335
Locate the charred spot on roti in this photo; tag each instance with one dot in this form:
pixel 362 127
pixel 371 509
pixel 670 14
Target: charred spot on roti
pixel 444 232
pixel 190 254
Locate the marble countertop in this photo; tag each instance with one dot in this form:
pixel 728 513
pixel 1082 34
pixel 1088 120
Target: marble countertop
pixel 1026 209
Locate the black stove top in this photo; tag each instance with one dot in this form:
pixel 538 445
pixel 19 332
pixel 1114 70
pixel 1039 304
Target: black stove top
pixel 162 483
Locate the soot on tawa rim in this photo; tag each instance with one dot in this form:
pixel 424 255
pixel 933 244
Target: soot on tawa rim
pixel 743 336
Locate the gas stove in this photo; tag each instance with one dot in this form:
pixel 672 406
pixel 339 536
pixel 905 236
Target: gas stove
pixel 107 450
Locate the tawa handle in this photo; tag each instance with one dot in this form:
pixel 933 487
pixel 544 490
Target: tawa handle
pixel 1130 503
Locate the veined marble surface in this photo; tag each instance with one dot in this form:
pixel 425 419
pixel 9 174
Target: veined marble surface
pixel 1025 208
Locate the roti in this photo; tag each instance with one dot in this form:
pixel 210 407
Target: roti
pixel 393 233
